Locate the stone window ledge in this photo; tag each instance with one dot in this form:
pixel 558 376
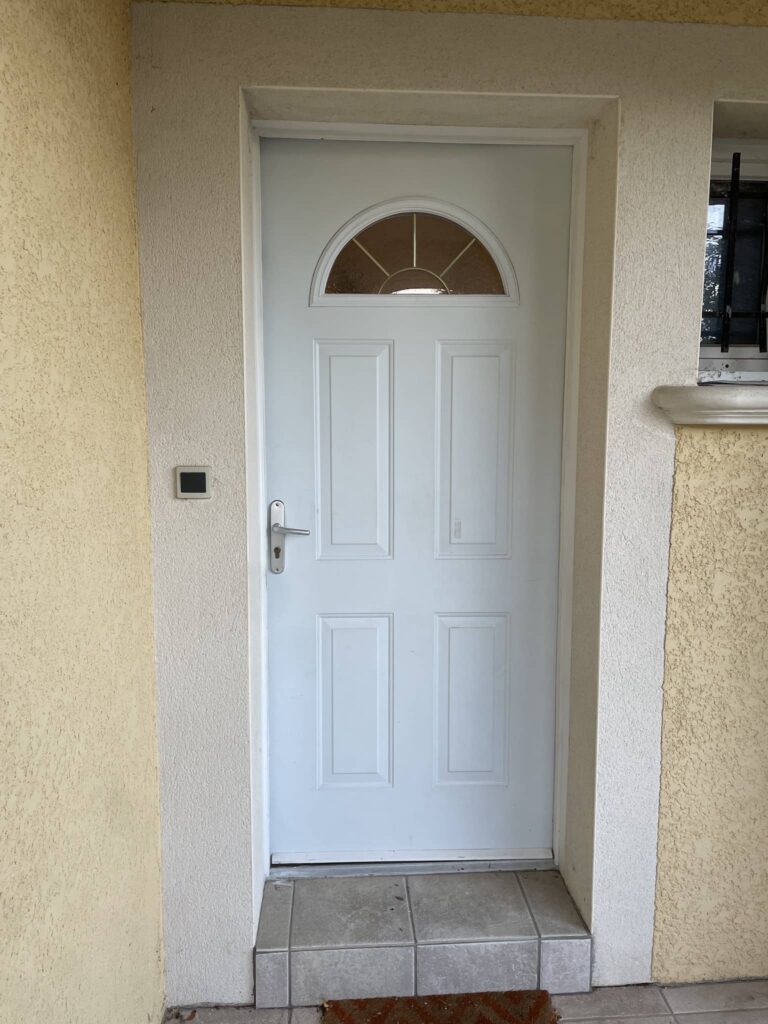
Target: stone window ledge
pixel 717 405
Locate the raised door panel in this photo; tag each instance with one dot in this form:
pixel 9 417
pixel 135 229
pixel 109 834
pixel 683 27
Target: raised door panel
pixel 353 403
pixel 472 670
pixel 354 675
pixel 475 383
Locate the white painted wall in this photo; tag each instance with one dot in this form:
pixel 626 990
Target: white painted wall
pixel 191 63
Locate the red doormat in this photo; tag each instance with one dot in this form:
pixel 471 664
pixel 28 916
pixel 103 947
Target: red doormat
pixel 525 1007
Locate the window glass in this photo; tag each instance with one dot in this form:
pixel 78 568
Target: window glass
pixel 746 266
pixel 414 254
pixel 714 272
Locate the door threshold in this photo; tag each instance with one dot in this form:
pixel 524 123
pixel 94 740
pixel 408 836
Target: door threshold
pixel 434 855
pixel 421 867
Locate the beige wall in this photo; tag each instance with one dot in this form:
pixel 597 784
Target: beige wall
pixel 80 933
pixel 712 889
pixel 723 12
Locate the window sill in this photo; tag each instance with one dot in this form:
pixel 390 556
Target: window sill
pixel 717 405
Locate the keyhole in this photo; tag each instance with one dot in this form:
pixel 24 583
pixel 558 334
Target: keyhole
pixel 278 552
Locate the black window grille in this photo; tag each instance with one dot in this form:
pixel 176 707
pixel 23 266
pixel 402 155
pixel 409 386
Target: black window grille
pixel 736 264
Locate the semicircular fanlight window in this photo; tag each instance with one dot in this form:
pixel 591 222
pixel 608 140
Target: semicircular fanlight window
pixel 414 254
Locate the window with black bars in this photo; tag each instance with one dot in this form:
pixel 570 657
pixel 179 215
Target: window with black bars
pixel 736 265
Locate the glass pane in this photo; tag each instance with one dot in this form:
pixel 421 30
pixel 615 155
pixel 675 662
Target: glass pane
pixel 716 216
pixel 414 254
pixel 751 212
pixel 414 281
pixel 746 297
pixel 390 241
pixel 354 273
pixel 475 273
pixel 714 274
pixel 711 331
pixel 438 242
pixel 744 332
pixel 746 276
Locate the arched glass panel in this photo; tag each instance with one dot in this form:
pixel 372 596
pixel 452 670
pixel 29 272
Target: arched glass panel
pixel 414 254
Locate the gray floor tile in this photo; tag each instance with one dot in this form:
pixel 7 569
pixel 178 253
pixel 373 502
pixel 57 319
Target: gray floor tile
pixel 472 906
pixel 306 1015
pixel 275 917
pixel 476 967
pixel 342 912
pixel 551 905
pixel 727 1017
pixel 603 1003
pixel 727 995
pixel 271 979
pixel 320 974
pixel 566 965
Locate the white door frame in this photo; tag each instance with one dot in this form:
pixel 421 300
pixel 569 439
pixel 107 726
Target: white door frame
pixel 254 131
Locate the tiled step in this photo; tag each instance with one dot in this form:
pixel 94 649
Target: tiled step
pixel 358 937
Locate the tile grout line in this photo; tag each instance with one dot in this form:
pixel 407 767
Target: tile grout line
pixel 290 948
pixel 610 1016
pixel 442 942
pixel 666 1002
pixel 529 908
pixel 413 929
pixel 682 1014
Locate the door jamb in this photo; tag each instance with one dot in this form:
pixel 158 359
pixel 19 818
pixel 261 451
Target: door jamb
pixel 252 132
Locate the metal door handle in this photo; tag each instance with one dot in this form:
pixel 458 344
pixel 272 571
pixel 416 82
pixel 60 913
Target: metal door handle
pixel 278 530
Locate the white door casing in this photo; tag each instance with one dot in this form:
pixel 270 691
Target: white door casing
pixel 412 638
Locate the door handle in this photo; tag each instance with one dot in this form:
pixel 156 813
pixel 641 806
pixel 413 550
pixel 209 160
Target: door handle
pixel 278 530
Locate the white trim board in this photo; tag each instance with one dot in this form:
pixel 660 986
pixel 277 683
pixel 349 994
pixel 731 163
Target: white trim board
pixel 357 132
pixel 568 487
pixel 577 139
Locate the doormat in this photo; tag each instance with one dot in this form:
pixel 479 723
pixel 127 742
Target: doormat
pixel 524 1007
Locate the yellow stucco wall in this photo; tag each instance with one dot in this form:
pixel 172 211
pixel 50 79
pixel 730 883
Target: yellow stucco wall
pixel 718 12
pixel 712 885
pixel 80 926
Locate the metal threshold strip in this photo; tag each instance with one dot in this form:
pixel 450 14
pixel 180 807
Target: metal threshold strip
pixel 406 868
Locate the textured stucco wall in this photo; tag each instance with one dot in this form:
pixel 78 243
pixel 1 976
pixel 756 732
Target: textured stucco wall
pixel 723 12
pixel 712 889
pixel 80 939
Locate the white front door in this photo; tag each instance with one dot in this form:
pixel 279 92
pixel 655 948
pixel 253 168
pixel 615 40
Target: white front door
pixel 418 436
